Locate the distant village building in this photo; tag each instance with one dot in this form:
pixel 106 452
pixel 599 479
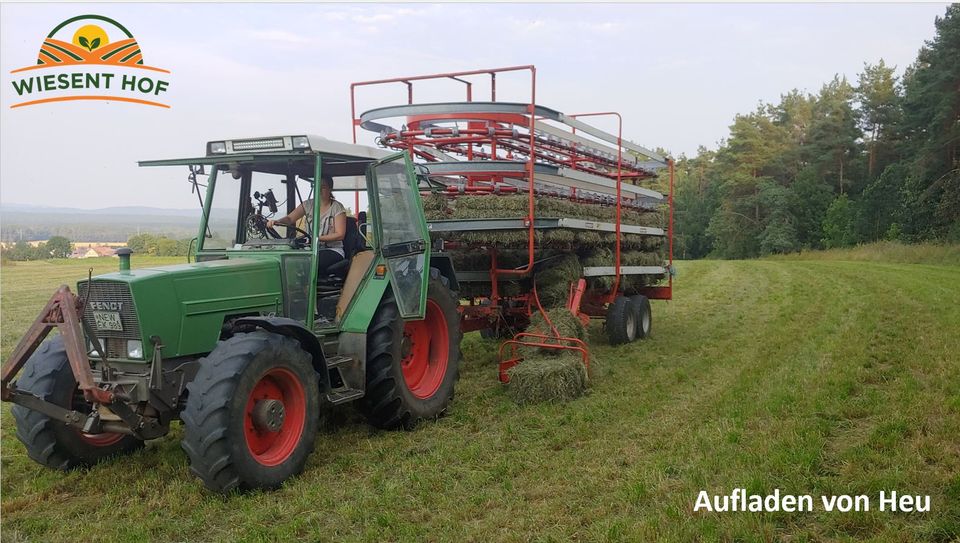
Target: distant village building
pixel 87 249
pixel 82 249
pixel 94 251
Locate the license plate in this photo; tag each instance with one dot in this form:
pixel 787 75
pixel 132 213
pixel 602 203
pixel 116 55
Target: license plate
pixel 108 320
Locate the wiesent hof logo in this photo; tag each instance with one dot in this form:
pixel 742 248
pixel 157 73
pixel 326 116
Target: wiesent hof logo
pixel 90 57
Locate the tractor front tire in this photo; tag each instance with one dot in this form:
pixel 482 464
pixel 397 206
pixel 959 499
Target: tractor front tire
pixel 47 375
pixel 252 413
pixel 621 321
pixel 412 367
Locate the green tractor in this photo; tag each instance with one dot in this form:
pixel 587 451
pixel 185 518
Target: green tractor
pixel 246 343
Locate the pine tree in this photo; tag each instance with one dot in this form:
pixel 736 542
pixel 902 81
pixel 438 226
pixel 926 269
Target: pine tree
pixel 879 96
pixel 931 124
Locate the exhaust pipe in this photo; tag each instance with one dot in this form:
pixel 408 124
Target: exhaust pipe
pixel 124 254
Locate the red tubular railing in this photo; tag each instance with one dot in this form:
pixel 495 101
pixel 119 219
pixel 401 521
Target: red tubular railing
pixel 531 114
pixel 495 271
pixel 575 345
pixel 670 232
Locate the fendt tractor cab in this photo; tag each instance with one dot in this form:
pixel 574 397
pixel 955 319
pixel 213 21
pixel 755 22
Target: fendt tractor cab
pixel 246 343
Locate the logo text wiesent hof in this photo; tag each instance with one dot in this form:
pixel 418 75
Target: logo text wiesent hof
pixel 90 57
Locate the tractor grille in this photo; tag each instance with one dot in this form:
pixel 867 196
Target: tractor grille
pixel 116 348
pixel 110 297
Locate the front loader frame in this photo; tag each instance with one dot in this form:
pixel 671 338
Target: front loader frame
pixel 63 313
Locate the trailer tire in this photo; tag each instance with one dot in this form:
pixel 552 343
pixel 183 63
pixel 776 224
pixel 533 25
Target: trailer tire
pixel 412 367
pixel 47 374
pixel 252 412
pixel 644 315
pixel 621 321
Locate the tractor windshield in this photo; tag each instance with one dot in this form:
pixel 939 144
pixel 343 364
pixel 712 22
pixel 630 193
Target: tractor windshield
pixel 244 201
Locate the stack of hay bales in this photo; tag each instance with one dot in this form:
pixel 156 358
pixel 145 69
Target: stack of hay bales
pixel 604 256
pixel 593 248
pixel 439 207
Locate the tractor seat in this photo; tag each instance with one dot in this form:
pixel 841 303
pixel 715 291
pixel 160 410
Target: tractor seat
pixel 340 269
pixel 353 242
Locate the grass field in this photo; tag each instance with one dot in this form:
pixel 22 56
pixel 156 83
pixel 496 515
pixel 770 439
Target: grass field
pixel 947 254
pixel 817 377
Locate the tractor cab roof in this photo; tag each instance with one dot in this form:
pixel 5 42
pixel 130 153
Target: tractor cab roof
pixel 283 155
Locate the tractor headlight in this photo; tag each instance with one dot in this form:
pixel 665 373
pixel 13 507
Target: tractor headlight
pixel 217 148
pixel 134 348
pixel 301 142
pixel 91 348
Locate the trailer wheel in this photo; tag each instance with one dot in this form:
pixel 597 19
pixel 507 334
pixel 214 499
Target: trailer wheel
pixel 47 374
pixel 252 412
pixel 644 315
pixel 621 321
pixel 412 367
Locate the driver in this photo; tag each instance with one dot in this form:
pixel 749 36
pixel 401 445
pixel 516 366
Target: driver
pixel 333 224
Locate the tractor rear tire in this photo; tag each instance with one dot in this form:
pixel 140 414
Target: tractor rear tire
pixel 412 367
pixel 47 374
pixel 621 321
pixel 644 315
pixel 252 413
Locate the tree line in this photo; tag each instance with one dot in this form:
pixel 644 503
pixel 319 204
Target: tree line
pixel 856 162
pixel 55 247
pixel 61 247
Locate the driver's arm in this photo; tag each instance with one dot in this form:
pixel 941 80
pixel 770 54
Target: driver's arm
pixel 288 220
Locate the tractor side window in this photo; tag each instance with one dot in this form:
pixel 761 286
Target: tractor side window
pixel 397 213
pixel 222 223
pixel 403 240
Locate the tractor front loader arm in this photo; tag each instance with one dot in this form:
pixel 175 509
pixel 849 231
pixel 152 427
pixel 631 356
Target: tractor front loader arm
pixel 62 312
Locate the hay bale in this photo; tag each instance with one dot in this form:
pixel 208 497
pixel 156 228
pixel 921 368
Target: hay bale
pixel 540 379
pixel 566 323
pixel 588 238
pixel 554 278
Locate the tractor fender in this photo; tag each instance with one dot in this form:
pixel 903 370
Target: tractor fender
pixel 294 329
pixel 444 265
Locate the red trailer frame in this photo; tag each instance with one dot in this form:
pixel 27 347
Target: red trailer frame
pixel 494 129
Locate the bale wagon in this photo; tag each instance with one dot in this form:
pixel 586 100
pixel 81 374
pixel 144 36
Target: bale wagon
pixel 535 208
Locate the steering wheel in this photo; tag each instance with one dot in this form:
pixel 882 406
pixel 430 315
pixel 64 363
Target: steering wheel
pixel 257 227
pixel 298 242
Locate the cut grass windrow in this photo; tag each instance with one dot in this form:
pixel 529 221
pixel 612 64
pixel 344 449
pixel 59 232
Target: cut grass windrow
pixel 816 377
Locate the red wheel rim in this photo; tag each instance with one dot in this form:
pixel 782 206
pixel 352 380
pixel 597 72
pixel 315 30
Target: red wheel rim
pixel 101 440
pixel 426 352
pixel 273 448
pixel 97 440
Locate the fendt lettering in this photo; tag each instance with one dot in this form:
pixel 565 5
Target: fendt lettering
pixel 105 306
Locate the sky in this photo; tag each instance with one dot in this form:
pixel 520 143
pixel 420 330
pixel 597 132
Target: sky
pixel 677 73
